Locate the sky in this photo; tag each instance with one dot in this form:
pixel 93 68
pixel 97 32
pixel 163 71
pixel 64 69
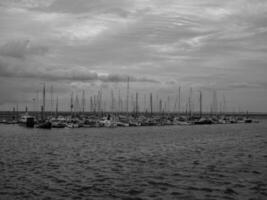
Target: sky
pixel 206 45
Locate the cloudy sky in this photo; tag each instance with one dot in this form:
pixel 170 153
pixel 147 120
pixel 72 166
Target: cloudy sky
pixel 160 44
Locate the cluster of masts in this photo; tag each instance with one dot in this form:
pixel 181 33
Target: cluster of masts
pixel 126 111
pixel 131 103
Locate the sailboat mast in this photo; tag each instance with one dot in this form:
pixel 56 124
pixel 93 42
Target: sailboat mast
pixel 151 103
pixel 119 101
pixel 17 111
pixel 144 103
pixel 136 102
pixel 200 104
pixel 71 103
pixel 127 97
pixel 43 106
pixel 94 104
pixel 160 106
pixel 44 98
pixel 157 100
pixel 91 104
pixel 51 99
pixel 179 100
pixel 99 101
pixel 83 101
pixel 168 104
pixel 57 107
pixel 215 102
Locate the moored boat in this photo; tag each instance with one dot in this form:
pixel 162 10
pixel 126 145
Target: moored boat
pixel 27 121
pixel 203 121
pixel 44 125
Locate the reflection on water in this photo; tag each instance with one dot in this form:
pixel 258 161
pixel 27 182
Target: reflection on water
pixel 197 162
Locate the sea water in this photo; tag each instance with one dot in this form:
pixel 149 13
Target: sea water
pixel 173 162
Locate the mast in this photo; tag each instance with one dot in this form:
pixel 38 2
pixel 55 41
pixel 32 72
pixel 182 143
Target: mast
pixel 200 104
pixel 99 101
pixel 128 92
pixel 160 106
pixel 168 104
pixel 119 101
pixel 215 103
pixel 190 102
pixel 51 99
pixel 94 104
pixel 179 100
pixel 44 98
pixel 37 103
pixel 57 107
pixel 43 106
pixel 157 101
pixel 71 104
pixel 91 104
pixel 14 113
pixel 144 103
pixel 17 112
pixel 121 105
pixel 151 104
pixel 83 101
pixel 175 104
pixel 76 105
pixel 136 102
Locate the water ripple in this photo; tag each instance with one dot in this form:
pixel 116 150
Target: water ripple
pixel 209 162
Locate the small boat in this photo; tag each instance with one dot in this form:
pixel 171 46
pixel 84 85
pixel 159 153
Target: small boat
pixel 134 123
pixel 72 125
pixel 90 124
pixel 122 124
pixel 182 123
pixel 203 121
pixel 3 121
pixel 107 123
pixel 233 121
pixel 44 125
pixel 58 125
pixel 248 121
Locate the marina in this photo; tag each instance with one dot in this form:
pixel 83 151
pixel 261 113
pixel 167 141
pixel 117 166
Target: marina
pixel 121 120
pixel 123 113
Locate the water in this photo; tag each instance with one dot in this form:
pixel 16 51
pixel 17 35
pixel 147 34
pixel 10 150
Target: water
pixel 196 162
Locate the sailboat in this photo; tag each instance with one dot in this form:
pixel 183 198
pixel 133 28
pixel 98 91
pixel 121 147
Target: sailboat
pixel 44 123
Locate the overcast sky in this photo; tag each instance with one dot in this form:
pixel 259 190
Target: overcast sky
pixel 161 44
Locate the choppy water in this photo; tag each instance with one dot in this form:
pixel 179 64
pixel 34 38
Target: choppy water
pixel 197 162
